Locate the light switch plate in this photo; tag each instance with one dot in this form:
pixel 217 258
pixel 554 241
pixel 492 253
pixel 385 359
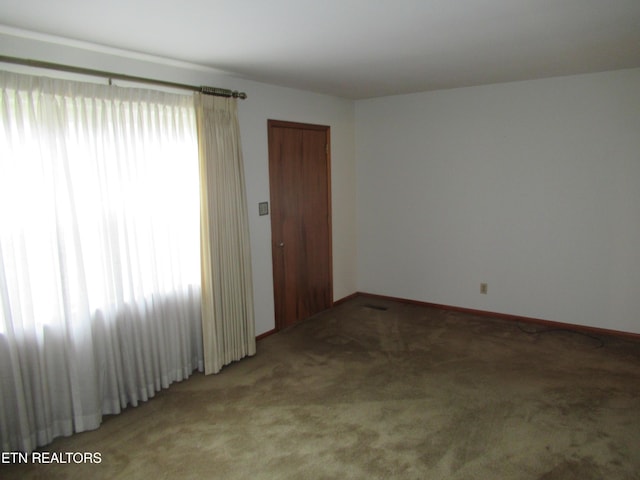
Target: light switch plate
pixel 263 208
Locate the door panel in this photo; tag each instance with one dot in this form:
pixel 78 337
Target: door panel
pixel 300 220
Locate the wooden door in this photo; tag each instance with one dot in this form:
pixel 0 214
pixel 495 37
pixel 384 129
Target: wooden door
pixel 299 181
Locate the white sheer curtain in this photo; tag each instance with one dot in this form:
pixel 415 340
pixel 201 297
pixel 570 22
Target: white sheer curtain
pixel 99 253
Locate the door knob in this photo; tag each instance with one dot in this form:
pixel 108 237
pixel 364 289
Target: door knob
pixel 281 244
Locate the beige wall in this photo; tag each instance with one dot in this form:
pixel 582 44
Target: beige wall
pixel 532 187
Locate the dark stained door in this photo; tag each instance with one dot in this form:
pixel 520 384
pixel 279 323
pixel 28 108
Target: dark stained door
pixel 299 181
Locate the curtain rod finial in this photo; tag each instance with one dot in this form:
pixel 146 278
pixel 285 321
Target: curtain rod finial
pixel 222 92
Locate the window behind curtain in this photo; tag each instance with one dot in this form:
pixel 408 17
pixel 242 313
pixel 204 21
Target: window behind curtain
pixel 99 252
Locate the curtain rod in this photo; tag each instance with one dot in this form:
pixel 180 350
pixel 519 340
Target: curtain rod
pixel 219 92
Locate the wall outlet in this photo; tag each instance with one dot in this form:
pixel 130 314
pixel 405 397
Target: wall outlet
pixel 483 288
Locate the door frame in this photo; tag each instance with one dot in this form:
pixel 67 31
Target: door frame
pixel 271 123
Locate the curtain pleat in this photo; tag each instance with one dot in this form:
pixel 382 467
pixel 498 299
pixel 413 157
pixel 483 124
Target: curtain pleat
pixel 227 293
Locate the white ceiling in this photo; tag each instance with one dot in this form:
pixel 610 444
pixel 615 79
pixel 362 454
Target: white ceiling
pixel 356 48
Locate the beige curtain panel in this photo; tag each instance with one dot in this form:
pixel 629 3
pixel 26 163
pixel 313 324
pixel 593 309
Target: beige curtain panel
pixel 227 294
